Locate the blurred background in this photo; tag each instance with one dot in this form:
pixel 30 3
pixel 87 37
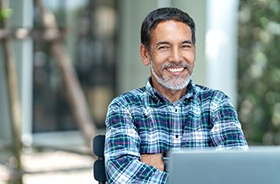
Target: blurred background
pixel 71 58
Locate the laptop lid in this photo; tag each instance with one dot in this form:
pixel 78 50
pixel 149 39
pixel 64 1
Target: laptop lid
pixel 259 165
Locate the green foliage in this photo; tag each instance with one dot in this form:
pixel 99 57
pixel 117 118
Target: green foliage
pixel 5 13
pixel 259 70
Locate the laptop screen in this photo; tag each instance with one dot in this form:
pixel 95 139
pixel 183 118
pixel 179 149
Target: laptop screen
pixel 258 165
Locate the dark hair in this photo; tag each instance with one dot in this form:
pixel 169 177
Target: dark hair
pixel 161 15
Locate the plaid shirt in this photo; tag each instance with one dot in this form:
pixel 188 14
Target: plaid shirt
pixel 143 121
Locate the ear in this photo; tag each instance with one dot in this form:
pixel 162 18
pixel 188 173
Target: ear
pixel 144 53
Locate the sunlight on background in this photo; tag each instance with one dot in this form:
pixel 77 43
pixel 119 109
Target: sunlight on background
pixel 259 70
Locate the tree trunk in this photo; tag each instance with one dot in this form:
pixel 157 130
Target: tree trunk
pixel 72 86
pixel 14 102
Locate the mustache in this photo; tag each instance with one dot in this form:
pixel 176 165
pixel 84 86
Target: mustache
pixel 176 64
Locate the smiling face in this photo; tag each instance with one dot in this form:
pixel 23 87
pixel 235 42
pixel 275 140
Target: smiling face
pixel 171 55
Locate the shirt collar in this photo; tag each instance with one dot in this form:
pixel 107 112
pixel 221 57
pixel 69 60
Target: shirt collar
pixel 160 98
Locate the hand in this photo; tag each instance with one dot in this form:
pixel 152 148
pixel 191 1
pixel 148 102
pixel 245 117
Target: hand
pixel 153 160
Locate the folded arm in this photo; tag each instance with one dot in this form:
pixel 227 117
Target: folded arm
pixel 123 160
pixel 226 132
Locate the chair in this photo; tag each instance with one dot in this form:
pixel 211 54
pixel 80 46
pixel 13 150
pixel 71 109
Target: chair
pixel 99 165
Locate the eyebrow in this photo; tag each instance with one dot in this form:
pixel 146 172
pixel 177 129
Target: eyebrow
pixel 162 43
pixel 165 42
pixel 187 42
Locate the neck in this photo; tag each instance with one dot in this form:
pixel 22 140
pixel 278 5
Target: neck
pixel 171 95
pixel 174 95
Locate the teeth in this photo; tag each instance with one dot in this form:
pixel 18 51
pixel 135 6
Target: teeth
pixel 175 69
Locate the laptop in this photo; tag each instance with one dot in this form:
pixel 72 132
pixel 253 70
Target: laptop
pixel 258 165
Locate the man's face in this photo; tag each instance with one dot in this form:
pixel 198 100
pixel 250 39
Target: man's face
pixel 172 55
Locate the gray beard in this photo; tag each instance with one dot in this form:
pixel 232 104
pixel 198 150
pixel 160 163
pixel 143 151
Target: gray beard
pixel 168 84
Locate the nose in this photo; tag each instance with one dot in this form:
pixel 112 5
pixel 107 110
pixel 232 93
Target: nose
pixel 176 55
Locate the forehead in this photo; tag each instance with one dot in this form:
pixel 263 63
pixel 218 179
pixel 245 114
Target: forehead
pixel 171 30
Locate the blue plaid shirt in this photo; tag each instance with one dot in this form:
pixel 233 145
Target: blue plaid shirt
pixel 143 121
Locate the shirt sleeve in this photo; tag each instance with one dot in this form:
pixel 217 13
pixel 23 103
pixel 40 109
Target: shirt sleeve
pixel 226 132
pixel 122 151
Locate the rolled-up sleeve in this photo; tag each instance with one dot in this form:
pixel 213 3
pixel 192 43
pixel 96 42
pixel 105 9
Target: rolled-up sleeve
pixel 122 151
pixel 226 132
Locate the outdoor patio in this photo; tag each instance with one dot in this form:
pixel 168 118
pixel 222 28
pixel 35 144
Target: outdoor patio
pixel 50 166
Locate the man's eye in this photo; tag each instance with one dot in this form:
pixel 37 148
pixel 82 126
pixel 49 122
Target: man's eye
pixel 163 47
pixel 186 46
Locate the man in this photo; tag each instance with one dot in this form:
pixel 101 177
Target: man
pixel 170 111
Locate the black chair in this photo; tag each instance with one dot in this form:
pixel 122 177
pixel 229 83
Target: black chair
pixel 99 165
